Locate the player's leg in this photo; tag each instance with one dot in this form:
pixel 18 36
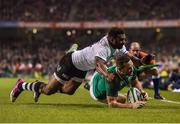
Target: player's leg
pixel 57 81
pixel 52 86
pixel 37 87
pixel 156 81
pixel 21 86
pixel 76 77
pixel 70 87
pixel 73 48
pixel 66 78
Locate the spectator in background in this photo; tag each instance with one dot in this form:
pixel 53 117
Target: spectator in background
pixel 136 50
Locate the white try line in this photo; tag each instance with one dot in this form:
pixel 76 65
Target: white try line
pixel 165 100
pixel 169 101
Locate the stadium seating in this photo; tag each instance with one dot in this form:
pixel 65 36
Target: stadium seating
pixel 88 10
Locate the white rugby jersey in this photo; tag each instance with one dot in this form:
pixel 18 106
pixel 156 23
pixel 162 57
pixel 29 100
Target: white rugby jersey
pixel 85 59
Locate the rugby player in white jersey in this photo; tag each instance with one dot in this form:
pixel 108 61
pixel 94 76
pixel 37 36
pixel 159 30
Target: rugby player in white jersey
pixel 73 67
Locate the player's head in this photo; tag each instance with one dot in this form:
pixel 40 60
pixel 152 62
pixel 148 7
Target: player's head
pixel 135 48
pixel 124 65
pixel 116 38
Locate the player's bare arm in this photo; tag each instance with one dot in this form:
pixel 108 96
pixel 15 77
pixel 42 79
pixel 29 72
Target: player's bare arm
pixel 136 83
pixel 112 102
pixel 102 68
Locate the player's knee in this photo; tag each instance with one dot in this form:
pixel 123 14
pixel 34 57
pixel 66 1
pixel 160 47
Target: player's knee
pixel 70 88
pixel 68 91
pixel 49 91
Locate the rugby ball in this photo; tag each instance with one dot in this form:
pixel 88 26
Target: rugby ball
pixel 134 95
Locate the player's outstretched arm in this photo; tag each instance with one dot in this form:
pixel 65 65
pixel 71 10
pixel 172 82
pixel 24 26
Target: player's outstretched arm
pixel 112 102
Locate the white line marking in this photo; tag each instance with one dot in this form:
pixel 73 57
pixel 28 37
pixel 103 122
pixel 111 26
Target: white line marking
pixel 171 101
pixel 165 100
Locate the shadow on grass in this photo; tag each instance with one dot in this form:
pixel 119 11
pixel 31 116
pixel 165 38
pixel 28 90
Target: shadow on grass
pixel 60 105
pixel 86 105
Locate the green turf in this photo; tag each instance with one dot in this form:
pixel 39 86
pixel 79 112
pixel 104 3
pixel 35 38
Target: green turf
pixel 81 108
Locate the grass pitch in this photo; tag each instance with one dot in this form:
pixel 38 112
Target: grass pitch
pixel 80 107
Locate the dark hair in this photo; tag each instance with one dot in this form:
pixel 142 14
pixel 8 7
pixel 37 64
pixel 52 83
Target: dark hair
pixel 122 60
pixel 114 32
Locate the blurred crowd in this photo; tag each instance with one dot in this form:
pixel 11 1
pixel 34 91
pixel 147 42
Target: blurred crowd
pixel 19 59
pixel 88 10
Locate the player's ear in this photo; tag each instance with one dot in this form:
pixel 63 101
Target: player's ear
pixel 109 38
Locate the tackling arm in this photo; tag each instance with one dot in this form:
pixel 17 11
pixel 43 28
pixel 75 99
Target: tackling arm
pixel 102 68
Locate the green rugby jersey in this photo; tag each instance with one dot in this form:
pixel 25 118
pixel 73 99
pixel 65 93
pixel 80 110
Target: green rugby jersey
pixel 103 88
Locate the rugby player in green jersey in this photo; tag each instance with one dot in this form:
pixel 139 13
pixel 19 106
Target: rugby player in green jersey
pixel 103 90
